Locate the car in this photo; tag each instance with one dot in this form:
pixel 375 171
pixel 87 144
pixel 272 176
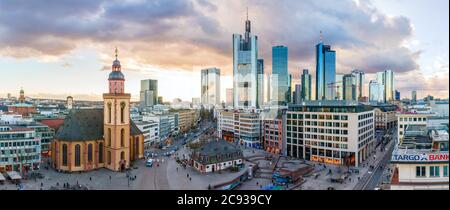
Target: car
pixel 149 163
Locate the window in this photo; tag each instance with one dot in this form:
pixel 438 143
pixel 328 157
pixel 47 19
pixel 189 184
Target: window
pixel 122 112
pixel 420 171
pixel 122 156
pixel 109 112
pixel 434 171
pixel 109 136
pixel 445 171
pixel 122 137
pixel 109 157
pixel 90 153
pixel 64 155
pixel 77 155
pixel 100 153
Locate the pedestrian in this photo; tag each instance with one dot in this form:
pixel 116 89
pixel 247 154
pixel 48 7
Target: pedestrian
pixel 190 178
pixel 257 183
pixel 187 175
pixel 90 178
pixel 177 169
pixel 109 177
pixel 42 184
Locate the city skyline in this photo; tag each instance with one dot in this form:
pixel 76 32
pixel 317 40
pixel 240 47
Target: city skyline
pixel 82 54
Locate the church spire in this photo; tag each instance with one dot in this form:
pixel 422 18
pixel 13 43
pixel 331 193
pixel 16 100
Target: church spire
pixel 116 52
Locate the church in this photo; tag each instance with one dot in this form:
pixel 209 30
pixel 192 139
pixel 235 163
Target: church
pixel 100 138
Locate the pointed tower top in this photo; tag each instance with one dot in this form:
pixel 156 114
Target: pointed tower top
pixel 116 52
pixel 321 36
pixel 247 13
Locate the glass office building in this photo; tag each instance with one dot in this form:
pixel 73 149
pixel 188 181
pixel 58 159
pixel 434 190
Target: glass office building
pixel 325 72
pixel 306 85
pixel 359 76
pixel 349 85
pixel 148 93
pixel 210 81
pixel 245 79
pixel 280 73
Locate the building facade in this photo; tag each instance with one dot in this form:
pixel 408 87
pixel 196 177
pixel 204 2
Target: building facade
pixel 335 132
pixel 350 87
pixel 243 127
pixel 210 81
pixel 359 76
pixel 245 78
pixel 148 93
pixel 325 72
pixel 280 74
pixel 306 85
pixel 95 138
pixel 20 149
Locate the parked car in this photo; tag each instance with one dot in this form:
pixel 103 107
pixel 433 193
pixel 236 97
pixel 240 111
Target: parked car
pixel 149 163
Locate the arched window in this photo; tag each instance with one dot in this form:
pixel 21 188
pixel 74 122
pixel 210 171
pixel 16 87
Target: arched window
pixel 100 153
pixel 122 111
pixel 109 136
pixel 64 155
pixel 77 155
pixel 109 157
pixel 122 137
pixel 89 152
pixel 109 112
pixel 122 155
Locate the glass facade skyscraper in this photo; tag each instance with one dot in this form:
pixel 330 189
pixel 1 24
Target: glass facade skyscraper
pixel 260 72
pixel 349 85
pixel 280 74
pixel 306 85
pixel 148 93
pixel 210 87
pixel 325 72
pixel 245 76
pixel 359 76
pixel 386 79
pixel 376 92
pixel 339 87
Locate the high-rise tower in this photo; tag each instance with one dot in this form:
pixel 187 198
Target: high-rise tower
pixel 325 71
pixel 116 120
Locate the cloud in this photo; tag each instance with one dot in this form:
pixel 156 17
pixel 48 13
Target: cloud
pixel 187 34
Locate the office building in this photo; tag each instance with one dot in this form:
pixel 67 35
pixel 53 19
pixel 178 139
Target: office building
pixel 210 89
pixel 376 92
pixel 273 139
pixel 297 94
pixel 325 72
pixel 359 76
pixel 306 85
pixel 397 95
pixel 69 102
pixel 229 99
pixel 150 130
pixel 339 87
pixel 334 132
pixel 414 97
pixel 148 93
pixel 20 149
pixel 405 119
pixel 386 79
pixel 280 74
pixel 349 87
pixel 245 76
pixel 260 72
pixel 241 126
pixel 421 161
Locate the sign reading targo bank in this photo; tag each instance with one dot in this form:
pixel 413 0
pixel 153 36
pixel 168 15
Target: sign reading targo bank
pixel 425 157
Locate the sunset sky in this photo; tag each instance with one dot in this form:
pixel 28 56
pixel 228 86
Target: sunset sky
pixel 56 48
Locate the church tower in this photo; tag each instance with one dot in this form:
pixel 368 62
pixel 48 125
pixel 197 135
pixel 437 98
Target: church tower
pixel 116 121
pixel 22 96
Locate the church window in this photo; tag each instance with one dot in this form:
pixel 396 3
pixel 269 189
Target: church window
pixel 122 137
pixel 89 152
pixel 77 155
pixel 100 153
pixel 64 155
pixel 122 111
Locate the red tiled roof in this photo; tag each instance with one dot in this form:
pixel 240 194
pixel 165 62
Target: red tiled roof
pixel 53 123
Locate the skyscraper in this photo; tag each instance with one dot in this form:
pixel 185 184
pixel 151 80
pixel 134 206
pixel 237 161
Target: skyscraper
pixel 397 95
pixel 297 94
pixel 339 87
pixel 210 87
pixel 306 85
pixel 325 71
pixel 376 92
pixel 349 87
pixel 260 72
pixel 389 85
pixel 280 73
pixel 359 76
pixel 386 79
pixel 148 93
pixel 245 79
pixel 414 96
pixel 229 97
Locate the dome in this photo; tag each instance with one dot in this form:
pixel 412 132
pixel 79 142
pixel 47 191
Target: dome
pixel 116 75
pixel 116 63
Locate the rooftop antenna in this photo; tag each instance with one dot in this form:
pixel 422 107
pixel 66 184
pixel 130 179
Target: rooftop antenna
pixel 321 36
pixel 247 13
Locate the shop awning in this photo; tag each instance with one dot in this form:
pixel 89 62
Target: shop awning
pixel 13 175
